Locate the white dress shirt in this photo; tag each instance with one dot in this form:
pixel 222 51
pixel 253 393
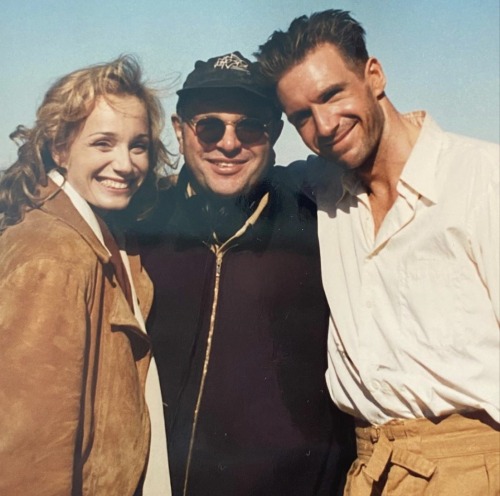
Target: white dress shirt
pixel 414 327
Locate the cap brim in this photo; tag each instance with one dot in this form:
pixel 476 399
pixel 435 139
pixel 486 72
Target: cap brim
pixel 216 85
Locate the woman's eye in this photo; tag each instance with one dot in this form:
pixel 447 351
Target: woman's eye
pixel 102 144
pixel 140 147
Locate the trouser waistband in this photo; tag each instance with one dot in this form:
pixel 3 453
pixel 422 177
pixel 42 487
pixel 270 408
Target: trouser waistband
pixel 414 443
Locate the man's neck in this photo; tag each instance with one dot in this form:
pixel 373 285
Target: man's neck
pixel 381 174
pixel 225 215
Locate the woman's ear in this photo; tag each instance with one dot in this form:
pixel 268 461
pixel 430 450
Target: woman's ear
pixel 59 157
pixel 177 125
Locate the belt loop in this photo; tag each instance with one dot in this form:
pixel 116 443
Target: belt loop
pixel 374 434
pixel 389 433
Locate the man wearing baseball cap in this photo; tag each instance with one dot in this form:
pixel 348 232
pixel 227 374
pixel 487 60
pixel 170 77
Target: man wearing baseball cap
pixel 239 322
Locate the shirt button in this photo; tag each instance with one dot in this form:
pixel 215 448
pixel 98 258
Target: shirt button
pixel 375 385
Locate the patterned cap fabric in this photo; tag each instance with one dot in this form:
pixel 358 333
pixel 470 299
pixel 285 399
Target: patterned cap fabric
pixel 228 71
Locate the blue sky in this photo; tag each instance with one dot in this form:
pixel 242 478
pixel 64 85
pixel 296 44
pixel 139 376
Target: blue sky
pixel 438 55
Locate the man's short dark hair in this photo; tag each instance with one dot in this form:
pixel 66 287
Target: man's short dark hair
pixel 283 50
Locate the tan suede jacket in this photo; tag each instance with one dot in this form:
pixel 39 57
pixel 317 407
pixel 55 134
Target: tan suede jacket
pixel 73 361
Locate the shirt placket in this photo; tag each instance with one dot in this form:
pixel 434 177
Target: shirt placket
pixel 400 215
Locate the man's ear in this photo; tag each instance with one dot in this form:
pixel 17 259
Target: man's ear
pixel 177 125
pixel 276 128
pixel 375 76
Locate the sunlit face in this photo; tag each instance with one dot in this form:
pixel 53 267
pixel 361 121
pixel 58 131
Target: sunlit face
pixel 226 167
pixel 335 109
pixel 109 157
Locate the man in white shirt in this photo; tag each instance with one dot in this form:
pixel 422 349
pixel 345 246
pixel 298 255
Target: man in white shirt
pixel 408 220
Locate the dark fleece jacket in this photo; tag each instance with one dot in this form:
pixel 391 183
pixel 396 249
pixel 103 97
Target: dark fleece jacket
pixel 265 425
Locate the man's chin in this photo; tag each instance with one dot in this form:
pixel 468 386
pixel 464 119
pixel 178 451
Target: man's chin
pixel 341 160
pixel 225 193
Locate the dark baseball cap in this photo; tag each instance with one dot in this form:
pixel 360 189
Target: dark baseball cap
pixel 231 70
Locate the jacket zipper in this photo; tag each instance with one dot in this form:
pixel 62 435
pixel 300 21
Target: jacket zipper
pixel 219 253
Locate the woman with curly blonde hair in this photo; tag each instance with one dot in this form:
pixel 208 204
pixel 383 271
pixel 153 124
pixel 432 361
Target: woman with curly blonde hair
pixel 74 355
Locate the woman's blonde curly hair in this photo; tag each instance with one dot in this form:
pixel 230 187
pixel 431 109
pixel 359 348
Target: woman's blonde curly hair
pixel 66 105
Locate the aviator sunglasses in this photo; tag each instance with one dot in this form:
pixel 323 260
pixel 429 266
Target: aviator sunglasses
pixel 210 130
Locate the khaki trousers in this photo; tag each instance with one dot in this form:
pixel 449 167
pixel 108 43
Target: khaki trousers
pixel 457 455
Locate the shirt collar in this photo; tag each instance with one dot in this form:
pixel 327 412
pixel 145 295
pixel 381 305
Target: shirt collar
pixel 351 183
pixel 79 203
pixel 420 168
pixel 419 172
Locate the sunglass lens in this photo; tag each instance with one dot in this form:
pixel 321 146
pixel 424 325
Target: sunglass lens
pixel 250 130
pixel 210 129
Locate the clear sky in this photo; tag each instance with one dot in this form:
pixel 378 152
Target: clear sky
pixel 438 55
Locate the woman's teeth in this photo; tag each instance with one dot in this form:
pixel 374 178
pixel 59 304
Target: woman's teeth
pixel 114 184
